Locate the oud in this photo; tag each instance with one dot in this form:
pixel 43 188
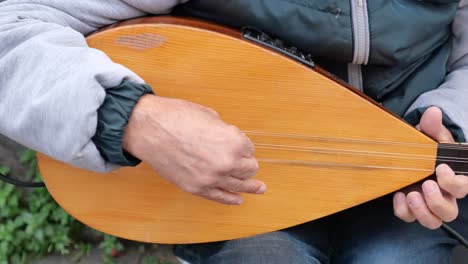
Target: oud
pixel 322 146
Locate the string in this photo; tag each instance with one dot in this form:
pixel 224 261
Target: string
pixel 360 153
pixel 353 140
pixel 354 152
pixel 332 164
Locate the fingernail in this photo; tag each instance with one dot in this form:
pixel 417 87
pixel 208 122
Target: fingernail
pixel 262 189
pixel 414 201
pixel 429 187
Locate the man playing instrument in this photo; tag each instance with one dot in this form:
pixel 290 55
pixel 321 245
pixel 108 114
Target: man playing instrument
pixel 74 104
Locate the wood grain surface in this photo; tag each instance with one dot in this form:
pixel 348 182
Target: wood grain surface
pixel 322 147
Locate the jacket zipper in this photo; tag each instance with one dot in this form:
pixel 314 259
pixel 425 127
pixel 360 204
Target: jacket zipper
pixel 361 43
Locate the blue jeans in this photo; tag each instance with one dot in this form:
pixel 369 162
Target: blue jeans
pixel 368 233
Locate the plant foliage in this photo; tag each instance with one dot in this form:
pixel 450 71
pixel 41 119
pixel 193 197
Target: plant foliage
pixel 32 224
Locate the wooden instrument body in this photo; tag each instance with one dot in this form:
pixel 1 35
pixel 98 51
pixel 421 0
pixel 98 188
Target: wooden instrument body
pixel 322 147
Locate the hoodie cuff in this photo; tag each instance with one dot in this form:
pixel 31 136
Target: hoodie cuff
pixel 113 116
pixel 414 116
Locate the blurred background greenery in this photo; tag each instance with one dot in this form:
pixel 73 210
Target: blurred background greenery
pixel 33 226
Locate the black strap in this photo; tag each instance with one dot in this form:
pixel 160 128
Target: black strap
pixel 20 183
pixel 455 234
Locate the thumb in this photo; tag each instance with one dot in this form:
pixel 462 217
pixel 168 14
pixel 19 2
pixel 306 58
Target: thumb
pixel 431 125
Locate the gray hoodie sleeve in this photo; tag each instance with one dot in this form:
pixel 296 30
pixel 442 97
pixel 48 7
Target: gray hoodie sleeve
pixel 51 83
pixel 452 95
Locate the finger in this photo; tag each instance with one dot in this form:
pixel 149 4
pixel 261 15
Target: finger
pixel 421 211
pixel 249 147
pixel 245 147
pixel 246 169
pixel 209 110
pixel 232 184
pixel 456 185
pixel 401 209
pixel 222 196
pixel 445 208
pixel 431 124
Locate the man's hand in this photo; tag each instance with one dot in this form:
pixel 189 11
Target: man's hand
pixel 190 145
pixel 434 202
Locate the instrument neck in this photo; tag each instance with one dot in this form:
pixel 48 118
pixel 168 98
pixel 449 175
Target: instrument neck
pixel 453 154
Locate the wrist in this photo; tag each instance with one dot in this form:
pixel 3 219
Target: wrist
pixel 138 117
pixel 113 117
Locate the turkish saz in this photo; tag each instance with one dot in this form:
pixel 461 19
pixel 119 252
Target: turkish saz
pixel 322 146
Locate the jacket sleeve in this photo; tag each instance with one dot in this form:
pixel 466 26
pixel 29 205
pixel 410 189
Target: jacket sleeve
pixel 51 83
pixel 452 95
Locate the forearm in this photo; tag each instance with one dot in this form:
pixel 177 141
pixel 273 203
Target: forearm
pixel 52 84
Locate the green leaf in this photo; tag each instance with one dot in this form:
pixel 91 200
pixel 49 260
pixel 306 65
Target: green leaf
pixel 4 170
pixel 27 156
pixel 32 223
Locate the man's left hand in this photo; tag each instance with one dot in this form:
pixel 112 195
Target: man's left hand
pixel 432 203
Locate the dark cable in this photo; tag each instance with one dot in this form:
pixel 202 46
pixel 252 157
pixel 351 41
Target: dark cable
pixel 455 234
pixel 21 183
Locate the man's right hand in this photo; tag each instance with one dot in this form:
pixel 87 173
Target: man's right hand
pixel 189 145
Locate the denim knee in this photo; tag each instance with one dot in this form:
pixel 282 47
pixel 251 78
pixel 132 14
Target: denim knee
pixel 273 248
